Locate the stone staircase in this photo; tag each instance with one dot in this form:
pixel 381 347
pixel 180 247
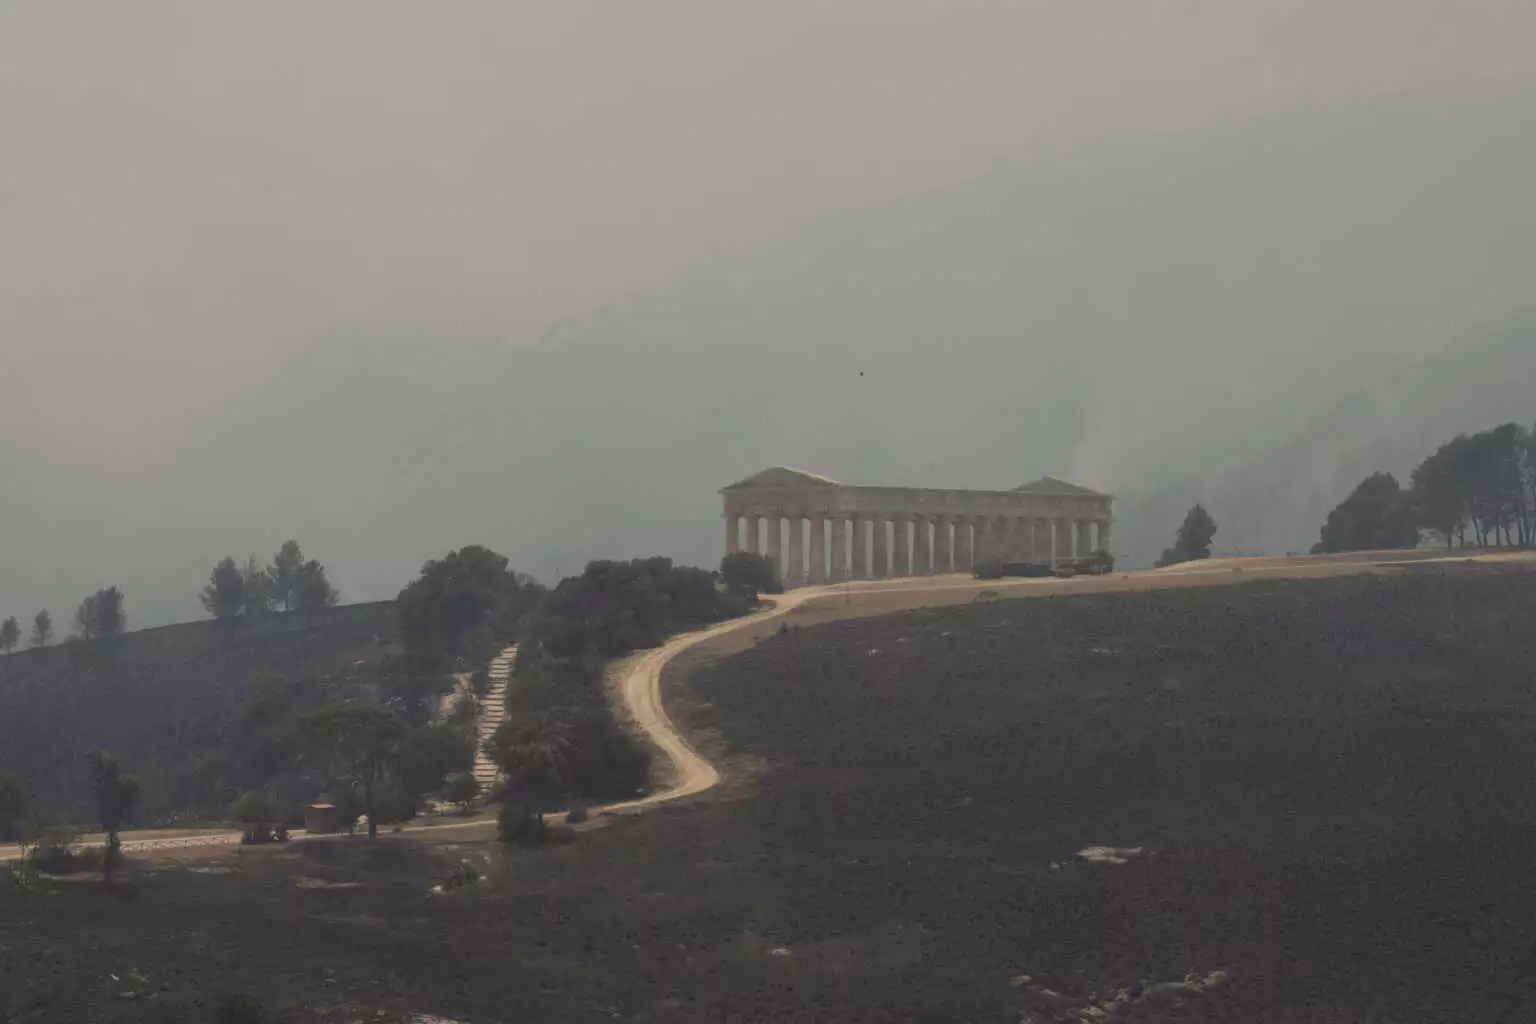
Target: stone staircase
pixel 493 711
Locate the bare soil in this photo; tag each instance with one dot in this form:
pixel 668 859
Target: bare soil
pixel 1329 783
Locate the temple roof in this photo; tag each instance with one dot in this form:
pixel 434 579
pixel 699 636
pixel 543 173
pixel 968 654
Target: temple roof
pixel 780 476
pixel 1051 485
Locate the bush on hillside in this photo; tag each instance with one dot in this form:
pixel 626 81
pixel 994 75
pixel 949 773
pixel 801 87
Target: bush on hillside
pixel 463 606
pixel 349 806
pixel 462 788
pixel 254 808
pixel 747 574
pixel 988 569
pixel 58 852
pixel 1194 539
pixel 1377 515
pixel 520 825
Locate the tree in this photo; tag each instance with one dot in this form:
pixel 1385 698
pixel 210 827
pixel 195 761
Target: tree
pixel 224 596
pixel 13 809
pixel 116 794
pixel 284 573
pixel 42 629
pixel 426 756
pixel 1438 492
pixel 412 686
pixel 10 635
pixel 312 592
pixel 100 616
pixel 357 742
pixel 463 605
pixel 258 589
pixel 1377 515
pixel 1193 540
pixel 535 753
pixel 1485 483
pixel 462 788
pixel 747 574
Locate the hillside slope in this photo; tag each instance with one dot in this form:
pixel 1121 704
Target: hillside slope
pixel 163 698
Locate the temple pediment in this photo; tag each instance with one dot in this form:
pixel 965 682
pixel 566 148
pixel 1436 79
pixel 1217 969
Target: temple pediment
pixel 777 477
pixel 1052 485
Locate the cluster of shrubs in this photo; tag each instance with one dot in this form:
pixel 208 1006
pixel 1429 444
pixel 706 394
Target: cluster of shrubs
pixel 58 852
pixel 561 744
pixel 995 568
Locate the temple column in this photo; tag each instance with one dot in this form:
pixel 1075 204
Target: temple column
pixel 1084 538
pixel 880 565
pixel 901 553
pixel 944 544
pixel 754 542
pixel 776 543
pixel 1061 529
pixel 1024 539
pixel 922 546
pixel 982 549
pixel 732 534
pixel 963 552
pixel 797 548
pixel 1103 534
pixel 818 549
pixel 1043 542
pixel 839 566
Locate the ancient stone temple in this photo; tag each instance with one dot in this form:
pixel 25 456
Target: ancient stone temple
pixel 817 530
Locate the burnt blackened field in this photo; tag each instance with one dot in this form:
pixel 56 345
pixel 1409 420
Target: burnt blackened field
pixel 1334 784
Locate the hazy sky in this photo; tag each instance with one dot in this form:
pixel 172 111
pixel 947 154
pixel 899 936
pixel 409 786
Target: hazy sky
pixel 191 192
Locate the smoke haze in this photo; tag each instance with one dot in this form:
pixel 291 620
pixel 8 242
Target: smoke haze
pixel 392 278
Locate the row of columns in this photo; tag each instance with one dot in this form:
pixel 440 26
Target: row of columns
pixel 877 547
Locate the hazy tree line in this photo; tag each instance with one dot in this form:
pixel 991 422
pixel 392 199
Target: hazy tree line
pixel 1476 490
pixel 100 617
pixel 292 581
pixel 233 592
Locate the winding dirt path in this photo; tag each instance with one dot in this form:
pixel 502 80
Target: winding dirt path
pixel 639 684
